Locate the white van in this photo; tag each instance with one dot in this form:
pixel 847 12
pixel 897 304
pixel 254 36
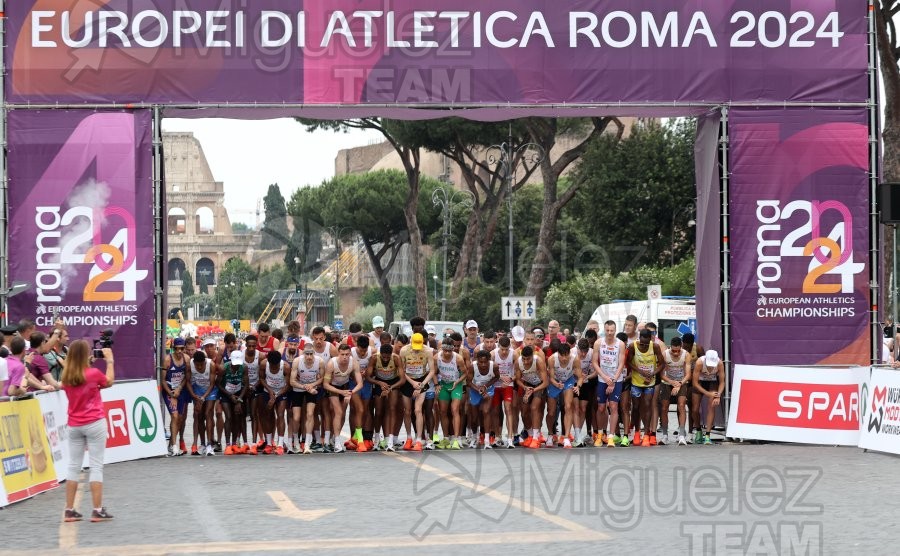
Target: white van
pixel 667 313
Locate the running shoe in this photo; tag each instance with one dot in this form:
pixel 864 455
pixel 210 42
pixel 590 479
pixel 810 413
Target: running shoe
pixel 455 445
pixel 362 447
pixel 307 449
pixel 610 443
pixel 598 441
pixel 509 444
pixel 567 444
pixel 229 451
pixel 417 447
pixel 487 446
pixel 645 441
pixel 382 445
pixel 369 445
pixel 209 450
pixel 550 442
pixel 653 440
pixel 682 441
pixel 518 440
pixel 338 449
pixel 350 445
pixel 623 441
pixel 663 440
pixel 253 450
pixel 182 447
pixel 194 451
pixel 317 447
pixel 100 515
pixel 444 444
pixel 279 451
pixel 407 446
pixel 390 448
pixel 706 440
pixel 637 438
pixel 533 443
pixel 327 448
pixel 429 445
pixel 267 450
pixel 472 443
pixel 698 436
pixel 72 515
pixel 604 437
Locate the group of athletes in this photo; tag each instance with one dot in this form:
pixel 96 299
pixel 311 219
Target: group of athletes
pixel 491 391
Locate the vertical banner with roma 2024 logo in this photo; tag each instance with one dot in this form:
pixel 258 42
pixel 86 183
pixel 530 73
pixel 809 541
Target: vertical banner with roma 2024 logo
pixel 799 204
pixel 81 227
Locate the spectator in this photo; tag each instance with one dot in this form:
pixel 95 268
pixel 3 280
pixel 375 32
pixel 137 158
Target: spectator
pixel 4 375
pixel 40 368
pixel 56 357
pixel 553 331
pixel 18 374
pixel 9 332
pixel 25 329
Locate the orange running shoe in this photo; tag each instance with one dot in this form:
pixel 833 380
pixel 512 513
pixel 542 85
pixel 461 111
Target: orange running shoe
pixel 267 450
pixel 252 450
pixel 181 446
pixel 194 451
pixel 653 440
pixel 362 447
pixel 369 445
pixel 279 450
pixel 408 444
pixel 417 447
pixel 229 451
pixel 645 441
pixel 350 445
pixel 636 441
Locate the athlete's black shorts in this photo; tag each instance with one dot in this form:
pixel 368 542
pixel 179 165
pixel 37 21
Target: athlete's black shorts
pixel 376 389
pixel 709 385
pixel 588 390
pixel 300 399
pixel 341 387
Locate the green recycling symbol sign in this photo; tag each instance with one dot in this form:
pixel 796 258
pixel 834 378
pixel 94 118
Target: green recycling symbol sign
pixel 143 419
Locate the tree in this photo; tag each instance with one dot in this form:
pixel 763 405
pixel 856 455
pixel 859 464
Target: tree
pixel 544 132
pixel 239 228
pixel 237 284
pixel 274 230
pixel 889 54
pixel 411 159
pixel 305 245
pixel 633 191
pixel 187 284
pixel 404 298
pixel 206 305
pixel 371 206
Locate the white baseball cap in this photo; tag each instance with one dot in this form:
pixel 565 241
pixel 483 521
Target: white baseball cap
pixel 208 342
pixel 471 324
pixel 430 329
pixel 518 333
pixel 237 357
pixel 712 358
pixel 377 322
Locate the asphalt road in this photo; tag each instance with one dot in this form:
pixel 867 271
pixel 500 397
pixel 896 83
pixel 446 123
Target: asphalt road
pixel 742 498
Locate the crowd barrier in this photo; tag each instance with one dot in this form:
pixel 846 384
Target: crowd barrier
pixel 33 436
pixel 850 406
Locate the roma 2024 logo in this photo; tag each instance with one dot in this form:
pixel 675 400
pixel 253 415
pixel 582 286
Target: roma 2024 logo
pixel 828 255
pixel 69 240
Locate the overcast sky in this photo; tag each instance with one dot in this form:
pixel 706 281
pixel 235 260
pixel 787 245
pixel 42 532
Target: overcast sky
pixel 248 155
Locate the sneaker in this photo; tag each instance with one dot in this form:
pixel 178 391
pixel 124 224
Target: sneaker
pixel 653 440
pixel 706 440
pixel 369 445
pixel 645 441
pixel 567 444
pixel 390 448
pixel 245 449
pixel 417 447
pixel 533 443
pixel 509 444
pixel 170 451
pixel 307 449
pixel 604 437
pixel 362 447
pixel 429 445
pixel 382 445
pixel 443 444
pixel 518 440
pixel 455 445
pixel 229 451
pixel 217 447
pixel 337 449
pixel 350 445
pixel 279 451
pixel 598 441
pixel 267 450
pixel 194 451
pixel 328 449
pixel 100 515
pixel 407 446
pixel 472 443
pixel 698 436
pixel 435 438
pixel 549 442
pixel 488 446
pixel 637 438
pixel 210 451
pixel 317 447
pixel 610 443
pixel 682 441
pixel 253 450
pixel 182 447
pixel 72 515
pixel 623 442
pixel 663 440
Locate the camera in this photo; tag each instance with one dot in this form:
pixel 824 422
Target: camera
pixel 105 341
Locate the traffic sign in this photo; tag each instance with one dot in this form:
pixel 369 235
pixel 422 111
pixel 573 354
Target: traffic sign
pixel 339 322
pixel 690 326
pixel 518 308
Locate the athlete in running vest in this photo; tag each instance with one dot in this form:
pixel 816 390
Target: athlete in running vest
pixel 325 351
pixel 175 392
pixel 645 360
pixel 452 376
pixel 361 441
pixel 532 380
pixel 306 379
pixel 709 382
pixel 629 414
pixel 217 357
pixel 470 342
pixel 419 371
pixel 266 342
pixel 588 390
pixel 565 381
pixel 481 391
pixel 290 352
pixel 203 391
pixel 342 383
pixel 272 401
pixel 233 386
pixel 609 364
pixel 504 358
pixel 387 378
pixel 375 339
pixel 252 358
pixel 675 381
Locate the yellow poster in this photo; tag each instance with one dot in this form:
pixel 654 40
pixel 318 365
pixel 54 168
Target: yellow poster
pixel 27 464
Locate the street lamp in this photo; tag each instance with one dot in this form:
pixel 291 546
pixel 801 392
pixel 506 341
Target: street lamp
pixel 336 233
pixel 448 199
pixel 434 279
pixel 686 209
pixel 505 157
pixel 15 289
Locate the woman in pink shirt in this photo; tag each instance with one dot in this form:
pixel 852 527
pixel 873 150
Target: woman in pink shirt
pixel 87 424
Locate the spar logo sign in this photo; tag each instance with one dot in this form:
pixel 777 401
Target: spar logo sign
pixel 885 411
pixel 144 420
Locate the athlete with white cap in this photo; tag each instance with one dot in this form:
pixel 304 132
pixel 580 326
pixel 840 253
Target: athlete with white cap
pixel 709 382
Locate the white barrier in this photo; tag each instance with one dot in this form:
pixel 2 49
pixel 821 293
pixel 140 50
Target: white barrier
pixel 797 404
pixel 880 414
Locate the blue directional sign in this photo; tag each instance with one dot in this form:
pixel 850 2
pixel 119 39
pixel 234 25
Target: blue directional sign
pixel 686 327
pixel 518 308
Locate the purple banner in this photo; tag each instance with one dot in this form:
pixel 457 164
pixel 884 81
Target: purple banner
pixel 799 203
pixel 81 227
pixel 419 52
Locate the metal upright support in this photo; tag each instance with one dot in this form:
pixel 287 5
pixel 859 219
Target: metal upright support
pixel 158 243
pixel 4 178
pixel 874 224
pixel 726 260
